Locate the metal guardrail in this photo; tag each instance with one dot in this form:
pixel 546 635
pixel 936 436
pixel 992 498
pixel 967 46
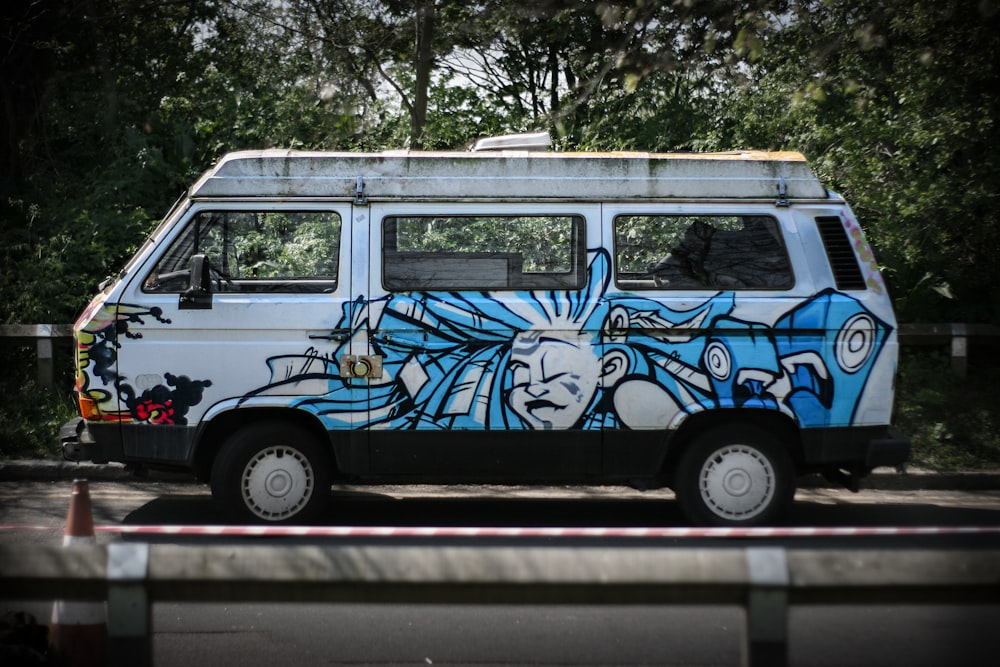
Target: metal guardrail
pixel 955 335
pixel 132 576
pixel 42 335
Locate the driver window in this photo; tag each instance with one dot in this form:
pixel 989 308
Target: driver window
pixel 255 251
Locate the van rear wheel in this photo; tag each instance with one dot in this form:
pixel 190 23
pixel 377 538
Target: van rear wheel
pixel 735 475
pixel 272 472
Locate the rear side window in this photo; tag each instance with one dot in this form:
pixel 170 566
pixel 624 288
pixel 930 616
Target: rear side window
pixel 255 251
pixel 422 253
pixel 725 252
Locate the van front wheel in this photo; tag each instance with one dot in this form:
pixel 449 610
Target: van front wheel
pixel 734 476
pixel 271 472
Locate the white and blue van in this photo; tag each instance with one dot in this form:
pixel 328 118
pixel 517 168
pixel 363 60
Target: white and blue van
pixel 713 323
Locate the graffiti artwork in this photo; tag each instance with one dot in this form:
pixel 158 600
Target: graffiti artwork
pixel 157 401
pixel 584 359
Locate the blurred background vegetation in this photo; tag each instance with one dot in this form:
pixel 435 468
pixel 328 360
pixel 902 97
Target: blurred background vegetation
pixel 112 107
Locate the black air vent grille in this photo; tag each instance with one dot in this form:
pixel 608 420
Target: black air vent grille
pixel 839 250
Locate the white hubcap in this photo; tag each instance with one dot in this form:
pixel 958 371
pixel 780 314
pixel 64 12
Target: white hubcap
pixel 737 482
pixel 277 483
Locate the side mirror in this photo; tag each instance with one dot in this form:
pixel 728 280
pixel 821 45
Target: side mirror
pixel 198 295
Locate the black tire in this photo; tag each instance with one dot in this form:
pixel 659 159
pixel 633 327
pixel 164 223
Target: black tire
pixel 272 472
pixel 735 475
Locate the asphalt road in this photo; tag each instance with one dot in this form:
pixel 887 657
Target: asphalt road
pixel 151 502
pixel 190 635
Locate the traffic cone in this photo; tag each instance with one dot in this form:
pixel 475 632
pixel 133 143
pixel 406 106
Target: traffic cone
pixel 78 634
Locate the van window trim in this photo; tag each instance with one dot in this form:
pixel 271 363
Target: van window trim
pixel 578 246
pixel 187 215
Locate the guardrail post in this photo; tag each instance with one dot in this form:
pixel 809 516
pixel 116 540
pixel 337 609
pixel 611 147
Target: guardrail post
pixel 959 350
pixel 130 624
pixel 767 608
pixel 46 366
pixel 42 335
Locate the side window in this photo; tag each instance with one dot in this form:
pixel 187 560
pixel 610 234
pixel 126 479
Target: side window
pixel 726 252
pixel 255 251
pixel 483 252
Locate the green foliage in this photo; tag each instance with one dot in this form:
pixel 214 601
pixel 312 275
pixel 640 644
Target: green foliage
pixel 954 423
pixel 665 112
pixel 278 245
pixel 545 243
pixel 895 106
pixel 31 414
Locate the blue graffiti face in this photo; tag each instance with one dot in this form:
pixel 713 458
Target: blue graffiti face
pixel 555 378
pixel 588 360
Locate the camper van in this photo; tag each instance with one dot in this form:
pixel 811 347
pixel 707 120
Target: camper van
pixel 711 323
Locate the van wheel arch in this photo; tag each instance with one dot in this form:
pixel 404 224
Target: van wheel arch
pixel 215 433
pixel 781 426
pixel 756 442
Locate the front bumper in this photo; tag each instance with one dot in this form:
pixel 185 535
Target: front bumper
pixel 103 442
pixel 89 441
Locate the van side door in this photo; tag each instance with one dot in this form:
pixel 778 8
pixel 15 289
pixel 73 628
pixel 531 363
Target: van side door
pixel 481 315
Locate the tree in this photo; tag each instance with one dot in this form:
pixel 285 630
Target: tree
pixel 896 107
pixel 564 63
pixel 377 48
pixel 75 203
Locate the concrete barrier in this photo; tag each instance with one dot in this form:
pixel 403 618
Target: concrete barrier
pixel 132 576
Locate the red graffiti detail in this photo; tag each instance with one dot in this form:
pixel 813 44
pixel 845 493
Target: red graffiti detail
pixel 155 413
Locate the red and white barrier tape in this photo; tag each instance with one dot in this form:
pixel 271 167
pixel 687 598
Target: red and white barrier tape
pixel 511 532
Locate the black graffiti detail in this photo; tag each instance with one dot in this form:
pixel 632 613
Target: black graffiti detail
pixel 163 405
pixel 126 316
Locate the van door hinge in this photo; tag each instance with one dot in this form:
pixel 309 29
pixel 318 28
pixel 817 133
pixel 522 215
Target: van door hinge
pixel 359 193
pixel 782 192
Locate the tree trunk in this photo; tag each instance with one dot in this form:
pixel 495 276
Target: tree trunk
pixel 424 62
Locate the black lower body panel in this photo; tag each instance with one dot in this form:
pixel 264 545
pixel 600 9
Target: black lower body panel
pixel 103 442
pixel 858 447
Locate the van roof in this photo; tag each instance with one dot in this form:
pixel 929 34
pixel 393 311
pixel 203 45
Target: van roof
pixel 433 175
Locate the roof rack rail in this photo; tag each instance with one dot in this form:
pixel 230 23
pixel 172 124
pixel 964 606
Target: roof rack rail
pixel 530 141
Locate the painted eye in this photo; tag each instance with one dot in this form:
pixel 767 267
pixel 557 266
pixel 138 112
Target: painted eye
pixel 520 374
pixel 718 361
pixel 855 343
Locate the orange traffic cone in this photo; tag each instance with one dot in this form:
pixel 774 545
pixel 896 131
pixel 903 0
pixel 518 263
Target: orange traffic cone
pixel 78 634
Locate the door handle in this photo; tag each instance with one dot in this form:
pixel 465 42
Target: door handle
pixel 338 335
